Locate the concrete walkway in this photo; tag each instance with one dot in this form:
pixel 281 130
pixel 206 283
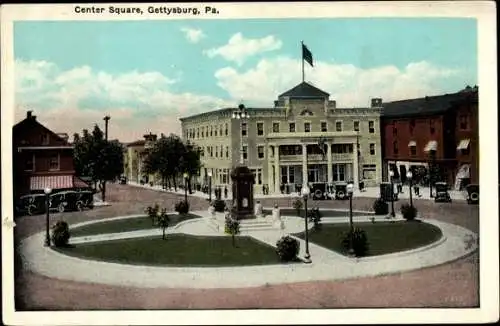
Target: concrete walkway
pixel 327 265
pixel 371 192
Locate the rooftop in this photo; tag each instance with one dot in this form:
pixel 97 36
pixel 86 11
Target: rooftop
pixel 305 90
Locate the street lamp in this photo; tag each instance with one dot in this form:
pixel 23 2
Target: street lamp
pixel 210 186
pixel 305 191
pixel 391 176
pixel 47 192
pixel 241 113
pixel 350 192
pixel 432 154
pixel 186 176
pixel 409 176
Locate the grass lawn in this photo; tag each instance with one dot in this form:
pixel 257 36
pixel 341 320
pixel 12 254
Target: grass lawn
pixel 125 225
pixel 322 211
pixel 383 237
pixel 179 250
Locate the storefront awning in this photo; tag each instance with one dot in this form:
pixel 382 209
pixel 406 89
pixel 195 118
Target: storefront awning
pixel 464 144
pixel 79 183
pixel 412 143
pixel 52 182
pixel 431 146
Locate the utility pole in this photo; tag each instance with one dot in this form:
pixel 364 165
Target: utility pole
pixel 106 121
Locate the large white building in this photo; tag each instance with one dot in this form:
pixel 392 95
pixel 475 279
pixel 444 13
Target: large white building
pixel 281 143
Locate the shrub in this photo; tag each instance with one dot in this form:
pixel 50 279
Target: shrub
pixel 232 227
pixel 219 205
pixel 182 207
pixel 297 205
pixel 409 212
pixel 315 216
pixel 380 207
pixel 152 212
pixel 287 248
pixel 359 242
pixel 60 234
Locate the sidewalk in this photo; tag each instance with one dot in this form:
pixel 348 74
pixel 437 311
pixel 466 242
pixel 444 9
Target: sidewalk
pixel 371 192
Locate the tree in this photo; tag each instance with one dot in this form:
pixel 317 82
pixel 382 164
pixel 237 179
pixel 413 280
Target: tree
pixel 96 158
pixel 233 228
pixel 163 221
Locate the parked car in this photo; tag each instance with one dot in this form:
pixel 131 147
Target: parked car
pixel 72 200
pixel 30 204
pixel 341 191
pixel 319 191
pixel 123 180
pixel 442 194
pixel 472 193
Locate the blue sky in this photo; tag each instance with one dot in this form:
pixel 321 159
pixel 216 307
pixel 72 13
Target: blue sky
pixel 156 71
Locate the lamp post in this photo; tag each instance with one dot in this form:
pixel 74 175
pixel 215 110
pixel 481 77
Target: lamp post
pixel 391 176
pixel 409 176
pixel 210 186
pixel 241 113
pixel 47 192
pixel 106 121
pixel 432 154
pixel 350 192
pixel 186 177
pixel 305 191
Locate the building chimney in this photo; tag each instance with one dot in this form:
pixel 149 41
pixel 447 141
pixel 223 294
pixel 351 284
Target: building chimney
pixel 29 114
pixel 376 102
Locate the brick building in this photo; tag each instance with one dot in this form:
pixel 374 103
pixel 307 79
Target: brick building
pixel 41 159
pixel 439 129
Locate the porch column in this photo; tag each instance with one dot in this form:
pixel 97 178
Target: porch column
pixel 355 165
pixel 270 182
pixel 277 169
pixel 329 166
pixel 304 164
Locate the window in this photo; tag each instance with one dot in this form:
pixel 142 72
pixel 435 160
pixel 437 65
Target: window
pixel 369 171
pixel 202 132
pixel 395 147
pixel 197 132
pixel 220 130
pixel 284 174
pixel 371 127
pixel 258 175
pixel 291 126
pixel 215 131
pixel 276 127
pixel 413 150
pixel 338 125
pixel 324 126
pixel 412 126
pixel 394 130
pixel 260 152
pixel 372 149
pixel 211 151
pixel 464 122
pixel 227 151
pixel 342 148
pixel 307 127
pixel 54 162
pixel 45 139
pixel 211 131
pixel 245 151
pixel 260 129
pixel 226 130
pixel 29 164
pixel 356 125
pixel 208 151
pixel 216 151
pixel 291 174
pixel 243 128
pixel 338 172
pixel 431 126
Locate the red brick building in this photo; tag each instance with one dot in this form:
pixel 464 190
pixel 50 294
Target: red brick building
pixel 41 159
pixel 441 129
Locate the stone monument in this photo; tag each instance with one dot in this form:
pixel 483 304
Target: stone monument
pixel 243 181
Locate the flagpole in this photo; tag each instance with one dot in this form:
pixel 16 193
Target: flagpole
pixel 302 49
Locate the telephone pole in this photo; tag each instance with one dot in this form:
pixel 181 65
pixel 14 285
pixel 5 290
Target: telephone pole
pixel 106 121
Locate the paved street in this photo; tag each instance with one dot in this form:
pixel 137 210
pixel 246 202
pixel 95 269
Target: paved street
pixel 454 284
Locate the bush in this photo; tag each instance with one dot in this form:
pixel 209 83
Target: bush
pixel 297 205
pixel 152 212
pixel 287 248
pixel 380 207
pixel 315 216
pixel 409 212
pixel 60 234
pixel 232 226
pixel 219 205
pixel 182 207
pixel 359 242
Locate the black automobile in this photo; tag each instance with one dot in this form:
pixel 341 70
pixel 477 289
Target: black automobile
pixel 319 191
pixel 31 204
pixel 123 180
pixel 341 191
pixel 442 195
pixel 472 194
pixel 72 200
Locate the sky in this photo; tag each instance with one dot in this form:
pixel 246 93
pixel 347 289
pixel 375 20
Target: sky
pixel 147 74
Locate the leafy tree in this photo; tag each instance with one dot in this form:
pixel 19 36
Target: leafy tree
pixel 96 158
pixel 232 227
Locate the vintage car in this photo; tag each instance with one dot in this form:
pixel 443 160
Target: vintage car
pixel 341 191
pixel 472 193
pixel 30 204
pixel 442 194
pixel 123 180
pixel 319 190
pixel 71 200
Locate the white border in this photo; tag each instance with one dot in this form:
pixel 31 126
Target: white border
pixel 483 11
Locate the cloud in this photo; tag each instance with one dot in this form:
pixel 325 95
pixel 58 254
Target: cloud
pixel 238 48
pixel 193 35
pixel 71 100
pixel 347 84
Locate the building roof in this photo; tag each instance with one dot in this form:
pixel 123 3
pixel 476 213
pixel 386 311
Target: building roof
pixel 30 122
pixel 428 105
pixel 136 143
pixel 304 90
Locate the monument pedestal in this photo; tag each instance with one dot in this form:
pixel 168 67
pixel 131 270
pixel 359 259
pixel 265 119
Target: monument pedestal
pixel 243 181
